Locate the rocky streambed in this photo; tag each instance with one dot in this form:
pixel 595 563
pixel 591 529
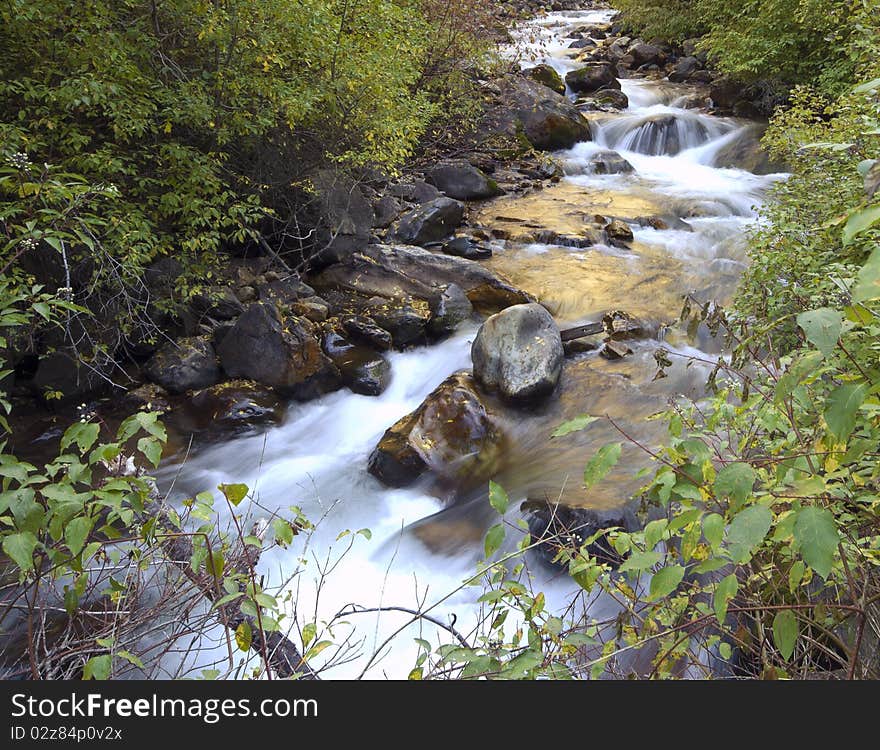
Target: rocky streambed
pixel 437 344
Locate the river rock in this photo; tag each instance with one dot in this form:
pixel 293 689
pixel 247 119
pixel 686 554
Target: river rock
pixel 386 209
pixel 364 370
pixel 644 54
pixel 365 330
pixel 449 310
pixel 684 69
pixel 284 355
pixel 465 247
pixel 548 120
pixel 610 162
pixel 744 151
pixel 558 528
pixel 611 97
pixel 463 181
pixel 430 222
pixel 618 232
pixel 183 365
pixel 518 352
pixel 451 435
pixel 547 76
pixel 415 191
pixel 236 405
pixel 592 77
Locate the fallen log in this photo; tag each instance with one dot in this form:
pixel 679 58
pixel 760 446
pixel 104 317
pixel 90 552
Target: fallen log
pixel 589 329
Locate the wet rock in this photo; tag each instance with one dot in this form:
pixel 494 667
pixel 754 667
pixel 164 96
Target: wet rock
pixel 236 405
pixel 615 350
pixel 610 162
pixel 366 330
pixel 744 151
pixel 611 99
pixel 363 370
pixel 285 356
pixel 451 435
pixel 462 181
pixel 559 529
pixel 430 222
pixel 664 223
pixel 286 289
pixel 386 210
pixel 184 365
pixel 620 325
pixel 592 77
pixel 725 92
pixel 578 346
pixel 548 120
pixel 406 319
pixel 464 247
pixel 311 308
pixel 618 232
pixel 552 237
pixel 518 352
pixel 547 76
pixel 146 397
pixel 684 69
pixel 583 43
pixel 417 191
pixel 449 310
pixel 219 303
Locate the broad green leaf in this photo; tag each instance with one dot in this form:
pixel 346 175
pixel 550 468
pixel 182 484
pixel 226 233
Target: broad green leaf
pixel 573 425
pixel 494 537
pixel 843 405
pixel 130 658
pixel 665 581
pixel 498 498
pixel 860 221
pixel 868 282
pixel 713 529
pixel 796 575
pixel 20 549
pixel 309 631
pixel 639 561
pixel 600 464
pixel 815 533
pixel 654 532
pixel 76 533
pixel 785 632
pixel 283 531
pixel 735 481
pixel 724 592
pixel 747 530
pixel 234 493
pixel 822 328
pixel 98 667
pixel 81 433
pixel 151 448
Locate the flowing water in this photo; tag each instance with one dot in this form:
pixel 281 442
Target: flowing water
pixel 421 549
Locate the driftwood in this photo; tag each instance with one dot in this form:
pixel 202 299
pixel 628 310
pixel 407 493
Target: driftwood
pixel 590 329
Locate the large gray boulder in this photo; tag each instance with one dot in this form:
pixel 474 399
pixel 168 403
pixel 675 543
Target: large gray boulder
pixel 285 356
pixel 518 352
pixel 180 366
pixel 462 181
pixel 430 222
pixel 592 77
pixel 548 120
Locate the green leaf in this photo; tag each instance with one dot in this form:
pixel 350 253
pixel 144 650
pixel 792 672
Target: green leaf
pixel 815 533
pixel 843 405
pixel 639 561
pixel 747 531
pixel 130 658
pixel 498 498
pixel 822 328
pixel 283 532
pixel 713 529
pixel 600 464
pixel 735 481
pixel 724 592
pixel 76 533
pixel 865 88
pixel 20 549
pixel 868 281
pixel 796 575
pixel 665 581
pixel 98 667
pixel 83 434
pixel 234 493
pixel 494 537
pixel 860 221
pixel 573 425
pixel 309 632
pixel 785 632
pixel 151 448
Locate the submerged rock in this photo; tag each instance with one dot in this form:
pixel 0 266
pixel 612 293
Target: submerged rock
pixel 451 435
pixel 236 405
pixel 430 222
pixel 464 247
pixel 518 352
pixel 610 162
pixel 285 356
pixel 184 365
pixel 363 369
